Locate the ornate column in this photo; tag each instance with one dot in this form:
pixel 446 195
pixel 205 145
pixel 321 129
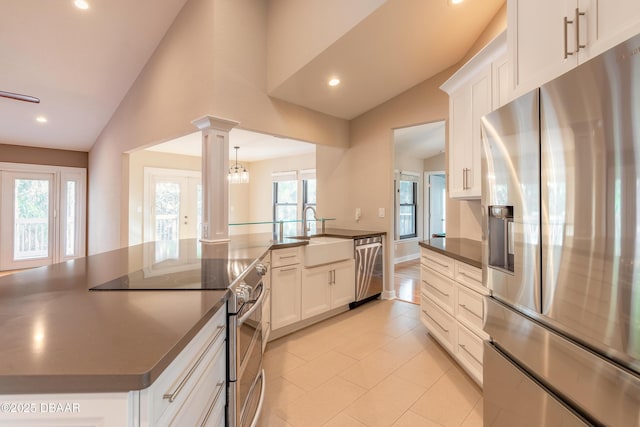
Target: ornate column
pixel 215 167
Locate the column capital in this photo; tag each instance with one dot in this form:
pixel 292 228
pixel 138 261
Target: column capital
pixel 217 123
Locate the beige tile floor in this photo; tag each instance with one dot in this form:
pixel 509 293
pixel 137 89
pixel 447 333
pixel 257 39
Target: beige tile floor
pixel 372 366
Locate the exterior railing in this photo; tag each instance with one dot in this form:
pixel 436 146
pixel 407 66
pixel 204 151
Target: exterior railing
pixel 31 238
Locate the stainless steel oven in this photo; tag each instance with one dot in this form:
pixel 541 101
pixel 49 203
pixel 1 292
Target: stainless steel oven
pixel 245 375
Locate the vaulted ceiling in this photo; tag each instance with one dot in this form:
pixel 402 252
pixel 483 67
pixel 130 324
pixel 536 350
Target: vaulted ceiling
pixel 81 63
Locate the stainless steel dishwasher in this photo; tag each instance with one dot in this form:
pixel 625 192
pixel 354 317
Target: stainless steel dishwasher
pixel 369 275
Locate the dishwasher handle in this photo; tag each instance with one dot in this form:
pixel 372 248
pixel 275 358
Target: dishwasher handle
pixel 367 246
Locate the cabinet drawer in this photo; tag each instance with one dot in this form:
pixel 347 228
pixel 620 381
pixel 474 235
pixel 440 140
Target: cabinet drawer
pixel 440 263
pixel 470 309
pixel 181 376
pixel 288 256
pixel 440 324
pixel 208 397
pixel 469 276
pixel 469 352
pixel 439 288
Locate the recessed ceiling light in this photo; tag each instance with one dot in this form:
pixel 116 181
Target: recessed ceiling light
pixel 81 4
pixel 334 82
pixel 41 119
pixel 455 1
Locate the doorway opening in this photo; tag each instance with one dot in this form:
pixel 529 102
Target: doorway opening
pixel 419 200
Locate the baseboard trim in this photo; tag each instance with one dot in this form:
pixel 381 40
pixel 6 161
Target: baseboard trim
pixel 406 258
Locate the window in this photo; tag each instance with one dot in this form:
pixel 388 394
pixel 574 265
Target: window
pixel 42 215
pixel 408 192
pixel 293 191
pixel 285 205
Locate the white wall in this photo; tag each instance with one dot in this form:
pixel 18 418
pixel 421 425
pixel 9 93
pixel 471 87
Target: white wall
pixel 211 61
pixel 434 164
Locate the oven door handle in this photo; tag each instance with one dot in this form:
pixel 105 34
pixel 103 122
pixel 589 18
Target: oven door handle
pixel 255 304
pixel 261 401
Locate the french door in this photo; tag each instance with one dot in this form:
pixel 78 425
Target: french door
pixel 42 218
pixel 173 201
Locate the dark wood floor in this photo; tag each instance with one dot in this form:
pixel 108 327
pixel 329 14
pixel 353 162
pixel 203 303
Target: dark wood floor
pixel 407 281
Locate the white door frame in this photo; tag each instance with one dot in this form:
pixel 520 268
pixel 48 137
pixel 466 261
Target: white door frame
pixel 147 207
pixel 59 176
pixel 426 217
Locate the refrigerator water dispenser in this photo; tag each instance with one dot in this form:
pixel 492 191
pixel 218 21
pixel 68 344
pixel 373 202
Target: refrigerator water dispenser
pixel 501 238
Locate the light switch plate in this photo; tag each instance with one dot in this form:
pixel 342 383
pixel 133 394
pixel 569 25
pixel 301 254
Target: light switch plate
pixel 381 212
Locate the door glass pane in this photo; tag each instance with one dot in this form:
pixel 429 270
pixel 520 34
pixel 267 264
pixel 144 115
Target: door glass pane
pixel 31 205
pixel 70 220
pixel 167 210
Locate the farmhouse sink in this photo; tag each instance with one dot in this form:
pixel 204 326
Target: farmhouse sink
pixel 325 250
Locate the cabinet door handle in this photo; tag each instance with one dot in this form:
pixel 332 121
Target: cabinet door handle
pixel 436 322
pixel 441 264
pixel 174 394
pixel 566 38
pixel 220 387
pixel 283 270
pixel 577 20
pixel 462 346
pixel 464 178
pixel 433 287
pixel 470 311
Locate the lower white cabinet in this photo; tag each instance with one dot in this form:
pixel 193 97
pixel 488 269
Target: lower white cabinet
pixel 285 295
pixel 193 387
pixel 266 304
pixel 327 287
pixel 452 308
pixel 190 391
pixel 55 410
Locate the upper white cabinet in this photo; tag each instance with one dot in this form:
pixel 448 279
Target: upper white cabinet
pixel 549 37
pixel 477 88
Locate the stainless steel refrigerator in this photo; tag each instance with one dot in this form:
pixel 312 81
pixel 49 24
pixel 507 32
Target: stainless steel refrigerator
pixel 561 249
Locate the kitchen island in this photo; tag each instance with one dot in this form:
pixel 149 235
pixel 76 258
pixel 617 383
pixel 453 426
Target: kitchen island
pixel 99 356
pixel 72 354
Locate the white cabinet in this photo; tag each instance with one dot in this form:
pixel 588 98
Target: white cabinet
pixel 266 304
pixel 327 287
pixel 54 410
pixel 343 290
pixel 474 90
pixel 193 386
pixel 286 277
pixel 190 391
pixel 549 37
pixel 452 308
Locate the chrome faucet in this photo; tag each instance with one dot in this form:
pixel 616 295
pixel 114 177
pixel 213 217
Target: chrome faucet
pixel 304 219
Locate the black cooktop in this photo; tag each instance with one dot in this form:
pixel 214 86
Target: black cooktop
pixel 204 274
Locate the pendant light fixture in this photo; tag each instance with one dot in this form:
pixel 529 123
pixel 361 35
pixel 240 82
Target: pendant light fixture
pixel 237 173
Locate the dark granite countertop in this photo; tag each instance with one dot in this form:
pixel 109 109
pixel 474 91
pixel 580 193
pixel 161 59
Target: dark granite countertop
pixel 58 336
pixel 465 250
